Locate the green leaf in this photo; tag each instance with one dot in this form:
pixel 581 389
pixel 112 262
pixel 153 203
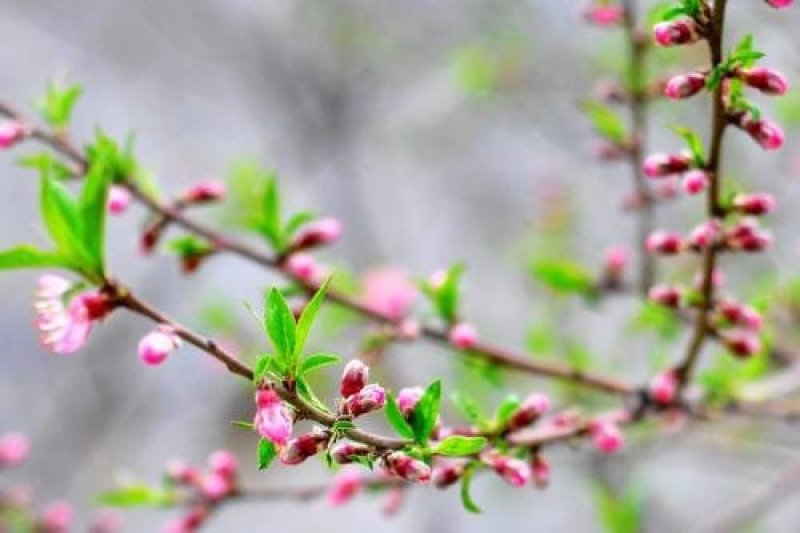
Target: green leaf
pixel 281 327
pixel 307 317
pixel 27 256
pixel 271 221
pixel 317 361
pixel 295 222
pixel 189 246
pixel 510 404
pixel 459 446
pixel 60 215
pixel 266 453
pixel 448 293
pixel 606 121
pixel 466 484
pixel 563 276
pixel 92 206
pixel 137 495
pixel 694 143
pixel 470 409
pixel 46 163
pixel 57 103
pixel 423 417
pixel 396 419
pixel 305 392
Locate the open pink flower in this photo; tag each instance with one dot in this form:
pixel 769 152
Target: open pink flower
pixel 389 291
pixel 64 327
pixel 346 484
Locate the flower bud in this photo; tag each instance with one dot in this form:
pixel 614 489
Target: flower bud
pixel 748 237
pixel 534 406
pixel 119 198
pixel 346 452
pixel 766 80
pixel 370 398
pixel 181 472
pixel 11 132
pixel 705 235
pixel 514 471
pixel 663 388
pixel 755 204
pixel 354 378
pixel 319 233
pixel 742 344
pixel 676 32
pixel 346 484
pixel 408 398
pixel 765 132
pixel 408 468
pixel 14 449
pixel 604 15
pixel 215 487
pixel 301 448
pixel 273 421
pixel 540 470
pixel 665 295
pixel 390 292
pixel 223 463
pixel 303 267
pixel 740 315
pixel 695 181
pixel 779 4
pixel 158 344
pixel 659 164
pixel 685 85
pixel 664 242
pixel 446 472
pixel 463 336
pixel 57 518
pixel 616 260
pixel 204 192
pixel 606 436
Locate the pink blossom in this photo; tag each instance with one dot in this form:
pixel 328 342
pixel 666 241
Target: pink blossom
pixel 57 517
pixel 664 242
pixel 765 132
pixel 119 198
pixel 408 398
pixel 663 388
pixel 514 471
pixel 766 80
pixel 607 437
pixel 273 420
pixel 303 267
pixel 179 471
pixel 676 32
pixel 158 344
pixel 204 192
pixel 755 204
pixel 685 85
pixel 64 328
pixel 307 445
pixel 739 314
pixel 616 259
pixel 463 336
pixel 446 472
pixel 742 343
pixel 390 292
pixel 346 484
pixel 695 181
pixel 318 233
pixel 665 295
pixel 354 378
pixel 748 237
pixel 223 463
pixel 705 235
pixel 11 132
pixel 370 398
pixel 780 4
pixel 346 452
pixel 215 487
pixel 14 449
pixel 408 468
pixel 659 165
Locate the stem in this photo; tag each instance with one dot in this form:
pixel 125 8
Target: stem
pixel 713 207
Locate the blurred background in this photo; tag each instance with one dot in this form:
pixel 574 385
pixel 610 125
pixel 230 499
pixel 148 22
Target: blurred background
pixel 437 131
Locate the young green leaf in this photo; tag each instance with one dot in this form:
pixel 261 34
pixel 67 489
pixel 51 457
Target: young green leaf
pixel 510 404
pixel 92 208
pixel 423 417
pixel 470 409
pixel 447 298
pixel 137 495
pixel 466 498
pixel 317 361
pixel 57 103
pixel 61 217
pixel 280 326
pixel 694 143
pixel 396 419
pixel 266 453
pixel 307 317
pixel 606 121
pixel 460 446
pixel 26 256
pixel 563 276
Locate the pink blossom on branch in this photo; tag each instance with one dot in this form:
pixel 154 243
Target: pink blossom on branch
pixel 119 198
pixel 273 421
pixel 766 80
pixel 354 378
pixel 204 192
pixel 390 292
pixel 368 399
pixel 695 181
pixel 463 336
pixel 408 468
pixel 779 4
pixel 318 233
pixel 604 15
pixel 755 204
pixel 606 436
pixel 676 32
pixel 158 344
pixel 659 165
pixel 684 85
pixel 408 398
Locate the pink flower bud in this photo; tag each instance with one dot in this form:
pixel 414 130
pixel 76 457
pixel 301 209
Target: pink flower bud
pixel 616 260
pixel 765 132
pixel 685 85
pixel 119 198
pixel 463 336
pixel 215 487
pixel 223 463
pixel 408 468
pixel 354 378
pixel 740 315
pixel 604 15
pixel 389 292
pixel 665 295
pixel 748 237
pixel 695 181
pixel 301 448
pixel 742 344
pixel 408 398
pixel 14 449
pixel 273 421
pixel 303 267
pixel 705 235
pixel 755 204
pixel 204 192
pixel 780 4
pixel 765 80
pixel 664 242
pixel 179 471
pixel 370 398
pixel 607 437
pixel 11 132
pixel 158 344
pixel 676 32
pixel 659 165
pixel 346 484
pixel 540 469
pixel 514 471
pixel 446 472
pixel 57 517
pixel 534 406
pixel 346 452
pixel 664 388
pixel 319 233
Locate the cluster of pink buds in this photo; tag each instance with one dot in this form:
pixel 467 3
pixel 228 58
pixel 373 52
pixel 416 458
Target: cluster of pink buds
pixel 515 472
pixel 11 132
pixel 273 420
pixel 402 465
pixel 158 344
pixel 203 193
pixel 604 14
pixel 676 32
pixel 319 233
pixel 359 397
pixel 64 319
pixel 463 336
pixel 740 325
